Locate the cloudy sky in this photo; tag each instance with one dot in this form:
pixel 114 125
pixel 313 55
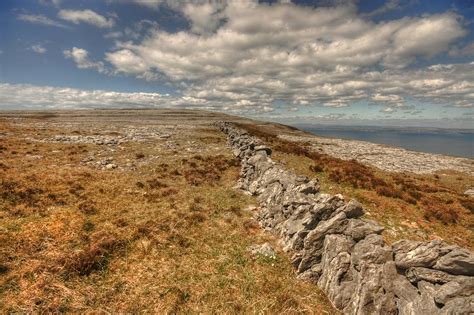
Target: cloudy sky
pixel 402 62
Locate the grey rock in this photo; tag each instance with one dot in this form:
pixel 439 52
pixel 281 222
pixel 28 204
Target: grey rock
pixel 344 254
pixel 457 306
pixel 263 148
pixel 458 262
pixel 309 188
pixel 371 250
pixel 313 243
pixel 264 250
pixel 401 287
pixel 312 274
pixel 416 274
pixel 469 192
pixel 418 254
pixel 422 303
pixel 460 287
pixel 370 295
pixel 336 279
pixel 360 228
pixel 353 209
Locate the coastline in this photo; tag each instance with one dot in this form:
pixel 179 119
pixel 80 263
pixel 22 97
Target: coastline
pixel 451 142
pixel 383 156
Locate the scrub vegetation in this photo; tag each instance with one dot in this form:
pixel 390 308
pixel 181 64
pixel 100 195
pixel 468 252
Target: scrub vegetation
pixel 169 235
pixel 410 206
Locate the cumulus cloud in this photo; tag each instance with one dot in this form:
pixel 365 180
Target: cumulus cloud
pixel 418 39
pixel 391 5
pixel 55 97
pixel 467 50
pixel 149 3
pixel 330 56
pixel 55 3
pixel 40 19
pixel 32 96
pixel 86 16
pixel 205 18
pixel 81 58
pixel 388 110
pixel 113 35
pixel 38 48
pixel 243 56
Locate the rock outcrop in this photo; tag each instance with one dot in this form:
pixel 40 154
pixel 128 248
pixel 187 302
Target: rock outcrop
pixel 345 255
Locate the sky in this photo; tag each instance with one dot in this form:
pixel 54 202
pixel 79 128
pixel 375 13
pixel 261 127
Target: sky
pixel 377 62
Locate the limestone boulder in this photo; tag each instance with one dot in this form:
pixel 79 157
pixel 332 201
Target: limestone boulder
pixel 418 254
pixel 459 261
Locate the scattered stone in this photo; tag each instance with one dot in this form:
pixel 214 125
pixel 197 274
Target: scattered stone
pixel 385 157
pixel 469 192
pixel 264 250
pixel 131 134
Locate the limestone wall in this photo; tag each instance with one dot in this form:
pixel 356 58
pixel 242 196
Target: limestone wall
pixel 344 254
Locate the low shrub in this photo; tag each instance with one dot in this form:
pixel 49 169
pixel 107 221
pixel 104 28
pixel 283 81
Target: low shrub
pixel 155 184
pixel 467 203
pixel 436 209
pixel 316 168
pixel 88 207
pixel 388 192
pixel 95 257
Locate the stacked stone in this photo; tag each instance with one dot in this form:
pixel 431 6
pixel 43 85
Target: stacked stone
pixel 345 254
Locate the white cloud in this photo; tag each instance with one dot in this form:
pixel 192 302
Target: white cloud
pixel 113 35
pixel 38 48
pixel 417 38
pixel 81 58
pixel 130 63
pixel 55 97
pixel 391 5
pixel 388 110
pixel 467 50
pixel 240 55
pixel 32 96
pixel 39 19
pixel 86 16
pixel 55 3
pixel 205 18
pixel 149 3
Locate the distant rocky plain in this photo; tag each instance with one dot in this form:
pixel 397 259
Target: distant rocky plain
pixel 136 127
pixel 386 157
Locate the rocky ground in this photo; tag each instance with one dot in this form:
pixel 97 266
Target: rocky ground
pixel 385 157
pixel 137 211
pixel 131 212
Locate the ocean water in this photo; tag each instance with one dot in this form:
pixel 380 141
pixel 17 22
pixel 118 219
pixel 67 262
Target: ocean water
pixel 443 141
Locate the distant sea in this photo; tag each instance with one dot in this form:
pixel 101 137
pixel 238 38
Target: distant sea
pixel 454 142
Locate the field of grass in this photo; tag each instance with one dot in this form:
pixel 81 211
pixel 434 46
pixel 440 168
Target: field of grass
pixel 170 236
pixel 419 207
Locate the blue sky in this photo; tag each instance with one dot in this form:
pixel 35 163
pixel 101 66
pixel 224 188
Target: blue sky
pixel 367 62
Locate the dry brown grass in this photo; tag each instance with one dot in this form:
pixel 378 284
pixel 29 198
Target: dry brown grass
pixel 409 205
pixel 169 237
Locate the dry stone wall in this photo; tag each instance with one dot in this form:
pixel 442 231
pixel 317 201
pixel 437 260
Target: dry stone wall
pixel 344 254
